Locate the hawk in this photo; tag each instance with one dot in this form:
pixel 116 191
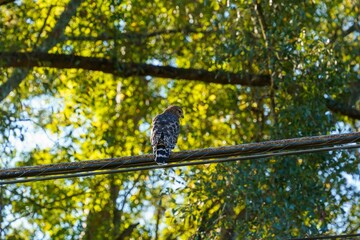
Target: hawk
pixel 164 133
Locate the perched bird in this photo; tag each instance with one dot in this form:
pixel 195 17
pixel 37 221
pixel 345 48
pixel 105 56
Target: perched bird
pixel 164 133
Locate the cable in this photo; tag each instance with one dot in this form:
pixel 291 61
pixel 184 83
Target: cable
pixel 208 153
pixel 202 157
pixel 190 163
pixel 328 237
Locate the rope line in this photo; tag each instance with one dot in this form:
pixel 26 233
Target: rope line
pixel 330 237
pixel 136 161
pixel 236 153
pixel 145 162
pixel 189 163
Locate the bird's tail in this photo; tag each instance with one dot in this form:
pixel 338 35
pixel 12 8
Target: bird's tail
pixel 162 154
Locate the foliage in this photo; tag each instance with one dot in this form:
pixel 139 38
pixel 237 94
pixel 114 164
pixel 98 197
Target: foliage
pixel 310 51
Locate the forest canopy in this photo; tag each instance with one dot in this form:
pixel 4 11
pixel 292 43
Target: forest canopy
pixel 83 80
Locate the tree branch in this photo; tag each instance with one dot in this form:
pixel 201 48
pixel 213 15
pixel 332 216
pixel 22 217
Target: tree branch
pixel 54 37
pixel 127 69
pixel 4 2
pixel 131 35
pixel 354 28
pixel 342 108
pixel 127 232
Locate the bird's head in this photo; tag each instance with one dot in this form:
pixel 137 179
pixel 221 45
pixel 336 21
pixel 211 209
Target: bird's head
pixel 175 110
